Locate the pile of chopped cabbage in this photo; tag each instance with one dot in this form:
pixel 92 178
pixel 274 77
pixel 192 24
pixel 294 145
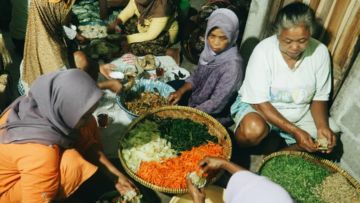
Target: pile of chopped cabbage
pixel 155 150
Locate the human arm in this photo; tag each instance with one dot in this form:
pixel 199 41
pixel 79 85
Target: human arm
pixel 122 183
pixel 175 97
pixel 224 87
pixel 190 83
pixel 197 194
pixel 113 85
pixel 89 144
pixel 106 69
pixel 319 112
pixel 210 164
pixel 95 155
pixel 215 163
pixel 91 66
pixel 157 25
pixel 261 74
pixel 273 116
pixel 124 15
pixel 93 69
pixel 319 104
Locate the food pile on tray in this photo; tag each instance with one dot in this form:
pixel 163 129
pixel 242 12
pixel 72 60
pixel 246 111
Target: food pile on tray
pixel 161 149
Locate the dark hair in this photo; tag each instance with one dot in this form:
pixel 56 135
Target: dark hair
pixel 295 14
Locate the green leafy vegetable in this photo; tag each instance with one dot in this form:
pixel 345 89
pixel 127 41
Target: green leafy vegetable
pixel 297 175
pixel 143 133
pixel 183 134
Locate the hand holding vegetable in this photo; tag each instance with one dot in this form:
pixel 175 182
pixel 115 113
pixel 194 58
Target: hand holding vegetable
pixel 216 163
pixel 124 185
pixel 328 134
pixel 304 140
pixel 197 194
pixel 212 163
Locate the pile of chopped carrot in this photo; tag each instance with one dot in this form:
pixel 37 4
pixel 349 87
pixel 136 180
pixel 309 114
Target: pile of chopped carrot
pixel 171 172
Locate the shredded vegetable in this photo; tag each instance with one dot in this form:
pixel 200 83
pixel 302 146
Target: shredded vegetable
pixel 145 144
pixel 171 172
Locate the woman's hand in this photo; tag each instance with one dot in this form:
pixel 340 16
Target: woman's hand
pixel 114 26
pixel 124 185
pixel 81 39
pixel 330 137
pixel 175 97
pixel 304 140
pixel 115 86
pixel 112 85
pixel 106 69
pixel 197 194
pixel 212 163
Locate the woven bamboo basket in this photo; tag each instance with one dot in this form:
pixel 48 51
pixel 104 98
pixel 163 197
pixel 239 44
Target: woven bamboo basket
pixel 182 112
pixel 334 168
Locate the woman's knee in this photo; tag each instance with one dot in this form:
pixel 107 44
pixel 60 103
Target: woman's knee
pixel 251 130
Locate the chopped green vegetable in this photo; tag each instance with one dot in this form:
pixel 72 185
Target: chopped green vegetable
pixel 297 175
pixel 143 133
pixel 183 134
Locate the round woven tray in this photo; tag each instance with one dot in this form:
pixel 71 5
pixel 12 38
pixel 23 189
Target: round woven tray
pixel 334 168
pixel 182 112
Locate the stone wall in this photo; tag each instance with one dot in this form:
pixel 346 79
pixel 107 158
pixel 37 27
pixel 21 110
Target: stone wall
pixel 346 111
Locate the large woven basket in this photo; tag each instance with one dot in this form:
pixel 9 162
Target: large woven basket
pixel 334 168
pixel 215 129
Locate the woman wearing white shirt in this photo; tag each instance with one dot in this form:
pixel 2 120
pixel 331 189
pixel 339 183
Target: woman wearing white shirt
pixel 287 86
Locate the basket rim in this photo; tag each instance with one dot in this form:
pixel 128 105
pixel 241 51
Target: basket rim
pixel 318 160
pixel 219 127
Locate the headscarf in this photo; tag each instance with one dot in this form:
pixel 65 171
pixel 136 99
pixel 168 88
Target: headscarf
pixel 154 9
pixel 228 22
pixel 247 187
pixel 53 107
pixel 44 47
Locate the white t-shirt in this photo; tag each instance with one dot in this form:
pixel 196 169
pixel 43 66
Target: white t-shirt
pixel 269 79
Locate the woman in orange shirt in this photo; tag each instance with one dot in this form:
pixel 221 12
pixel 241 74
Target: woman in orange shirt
pixel 37 136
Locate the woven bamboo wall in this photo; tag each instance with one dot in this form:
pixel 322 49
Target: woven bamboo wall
pixel 339 29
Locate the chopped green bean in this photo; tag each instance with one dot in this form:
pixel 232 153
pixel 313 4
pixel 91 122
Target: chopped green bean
pixel 297 175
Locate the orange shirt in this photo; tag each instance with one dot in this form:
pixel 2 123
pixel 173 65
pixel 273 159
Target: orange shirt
pixel 36 173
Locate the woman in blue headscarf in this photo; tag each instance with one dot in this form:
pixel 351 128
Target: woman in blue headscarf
pixel 220 72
